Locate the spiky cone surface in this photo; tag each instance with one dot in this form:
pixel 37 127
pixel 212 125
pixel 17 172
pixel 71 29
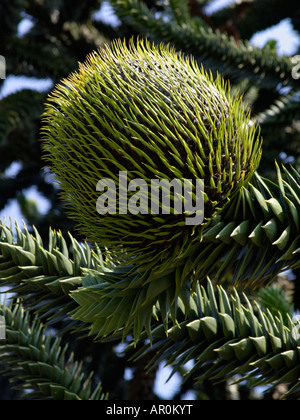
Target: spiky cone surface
pixel 151 112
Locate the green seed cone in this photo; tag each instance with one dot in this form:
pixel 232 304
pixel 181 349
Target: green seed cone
pixel 155 114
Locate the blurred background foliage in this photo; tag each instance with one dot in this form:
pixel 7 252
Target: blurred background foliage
pixel 42 42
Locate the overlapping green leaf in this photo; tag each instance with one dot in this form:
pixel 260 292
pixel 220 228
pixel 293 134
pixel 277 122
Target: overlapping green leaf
pixel 42 277
pixel 37 362
pixel 227 336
